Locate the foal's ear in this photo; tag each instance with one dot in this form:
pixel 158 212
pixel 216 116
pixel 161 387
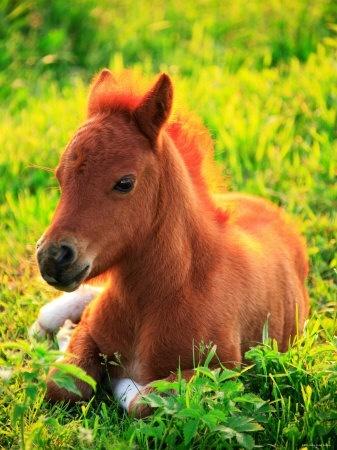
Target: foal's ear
pixel 155 108
pixel 101 83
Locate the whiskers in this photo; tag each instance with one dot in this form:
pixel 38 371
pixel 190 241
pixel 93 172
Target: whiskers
pixel 44 169
pixel 39 167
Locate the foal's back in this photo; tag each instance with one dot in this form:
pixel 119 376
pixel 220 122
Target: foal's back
pixel 271 256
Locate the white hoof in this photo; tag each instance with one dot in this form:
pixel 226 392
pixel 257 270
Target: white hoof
pixel 36 330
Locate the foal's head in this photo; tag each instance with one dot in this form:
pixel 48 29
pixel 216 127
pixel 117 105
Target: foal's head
pixel 109 178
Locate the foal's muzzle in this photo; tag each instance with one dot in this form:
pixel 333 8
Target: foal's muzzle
pixel 60 264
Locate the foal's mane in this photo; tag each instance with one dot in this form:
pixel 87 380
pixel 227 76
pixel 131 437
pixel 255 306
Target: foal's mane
pixel 191 138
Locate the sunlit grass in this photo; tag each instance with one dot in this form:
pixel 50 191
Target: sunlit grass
pixel 263 78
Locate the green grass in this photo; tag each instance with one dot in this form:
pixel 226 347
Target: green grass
pixel 263 78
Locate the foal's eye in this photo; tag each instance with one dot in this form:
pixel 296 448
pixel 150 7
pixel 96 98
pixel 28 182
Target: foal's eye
pixel 125 184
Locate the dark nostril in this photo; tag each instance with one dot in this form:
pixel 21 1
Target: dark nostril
pixel 65 255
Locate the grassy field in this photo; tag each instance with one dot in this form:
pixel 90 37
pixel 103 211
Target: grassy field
pixel 263 78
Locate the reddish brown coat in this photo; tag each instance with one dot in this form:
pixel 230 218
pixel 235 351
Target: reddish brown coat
pixel 178 270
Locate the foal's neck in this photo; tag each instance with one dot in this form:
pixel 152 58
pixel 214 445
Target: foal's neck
pixel 182 242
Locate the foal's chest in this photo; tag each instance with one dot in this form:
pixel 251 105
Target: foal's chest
pixel 115 327
pixel 147 347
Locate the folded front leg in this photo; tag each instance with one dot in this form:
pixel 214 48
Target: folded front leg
pixel 129 394
pixel 83 352
pixel 229 354
pixel 68 306
pixel 132 401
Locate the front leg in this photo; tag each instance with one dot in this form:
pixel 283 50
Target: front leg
pixel 68 306
pixel 134 405
pixel 228 353
pixel 137 408
pixel 84 353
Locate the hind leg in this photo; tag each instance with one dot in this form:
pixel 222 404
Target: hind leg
pixel 68 306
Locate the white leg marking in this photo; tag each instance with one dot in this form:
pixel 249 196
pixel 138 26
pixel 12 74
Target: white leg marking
pixel 36 330
pixel 125 390
pixel 68 306
pixel 64 335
